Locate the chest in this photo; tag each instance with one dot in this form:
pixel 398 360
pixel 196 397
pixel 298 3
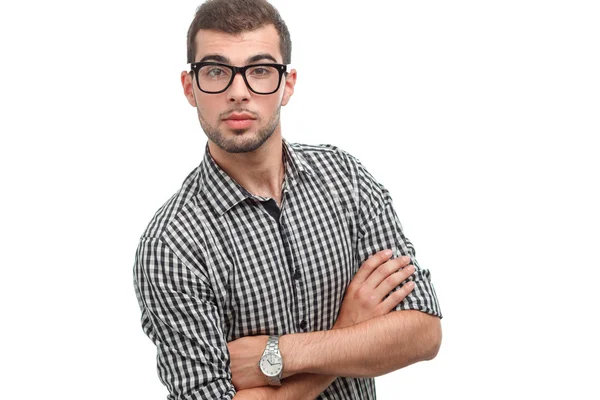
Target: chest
pixel 284 273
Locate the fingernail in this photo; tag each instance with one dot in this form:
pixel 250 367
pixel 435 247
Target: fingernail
pixel 387 253
pixel 411 284
pixel 405 258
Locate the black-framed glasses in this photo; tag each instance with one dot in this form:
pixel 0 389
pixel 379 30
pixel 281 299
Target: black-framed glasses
pixel 213 77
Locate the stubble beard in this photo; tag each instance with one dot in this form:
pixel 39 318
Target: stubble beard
pixel 239 144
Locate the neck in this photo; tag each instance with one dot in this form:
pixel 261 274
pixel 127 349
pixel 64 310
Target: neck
pixel 261 172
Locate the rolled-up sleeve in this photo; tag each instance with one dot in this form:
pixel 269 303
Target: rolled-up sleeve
pixel 379 228
pixel 180 316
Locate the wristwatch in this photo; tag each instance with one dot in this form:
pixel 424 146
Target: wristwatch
pixel 271 363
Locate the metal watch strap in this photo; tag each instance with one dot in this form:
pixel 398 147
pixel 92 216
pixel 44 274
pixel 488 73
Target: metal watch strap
pixel 273 347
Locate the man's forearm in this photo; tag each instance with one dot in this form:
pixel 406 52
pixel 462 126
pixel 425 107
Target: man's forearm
pixel 372 348
pixel 300 387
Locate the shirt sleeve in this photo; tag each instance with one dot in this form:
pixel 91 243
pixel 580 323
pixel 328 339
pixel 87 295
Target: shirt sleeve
pixel 379 228
pixel 180 316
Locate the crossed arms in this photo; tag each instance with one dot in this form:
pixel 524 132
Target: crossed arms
pixel 371 336
pixel 367 340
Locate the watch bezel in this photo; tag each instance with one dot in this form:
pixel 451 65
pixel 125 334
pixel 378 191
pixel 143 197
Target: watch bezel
pixel 264 357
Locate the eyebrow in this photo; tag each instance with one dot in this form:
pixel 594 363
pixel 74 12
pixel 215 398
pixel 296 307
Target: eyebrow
pixel 223 59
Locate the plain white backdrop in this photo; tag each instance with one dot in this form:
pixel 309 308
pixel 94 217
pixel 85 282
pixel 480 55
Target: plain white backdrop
pixel 480 117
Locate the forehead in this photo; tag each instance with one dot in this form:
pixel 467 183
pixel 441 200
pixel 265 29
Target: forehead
pixel 240 47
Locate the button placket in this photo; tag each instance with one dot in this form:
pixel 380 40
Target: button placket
pixel 287 241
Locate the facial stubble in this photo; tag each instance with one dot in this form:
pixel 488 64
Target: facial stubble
pixel 236 144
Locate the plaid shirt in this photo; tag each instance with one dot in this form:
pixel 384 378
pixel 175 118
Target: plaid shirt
pixel 217 263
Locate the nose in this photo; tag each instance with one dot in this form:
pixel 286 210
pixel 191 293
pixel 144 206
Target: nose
pixel 238 91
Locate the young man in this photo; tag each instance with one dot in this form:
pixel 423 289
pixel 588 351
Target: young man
pixel 265 275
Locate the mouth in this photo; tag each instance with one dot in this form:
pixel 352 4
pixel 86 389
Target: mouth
pixel 239 121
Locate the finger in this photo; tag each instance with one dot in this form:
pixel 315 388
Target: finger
pixel 385 270
pixel 396 297
pixel 369 266
pixel 393 280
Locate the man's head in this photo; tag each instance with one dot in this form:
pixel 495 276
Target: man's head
pixel 238 33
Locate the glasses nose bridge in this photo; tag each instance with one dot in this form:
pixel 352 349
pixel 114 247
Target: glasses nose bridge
pixel 242 72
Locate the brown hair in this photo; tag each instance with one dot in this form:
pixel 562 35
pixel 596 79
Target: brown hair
pixel 237 16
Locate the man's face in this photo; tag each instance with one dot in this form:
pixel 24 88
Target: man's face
pixel 215 109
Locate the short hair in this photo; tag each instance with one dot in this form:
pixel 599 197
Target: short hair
pixel 237 16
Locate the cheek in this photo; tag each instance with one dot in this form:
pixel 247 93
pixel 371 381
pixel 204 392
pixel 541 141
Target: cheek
pixel 270 107
pixel 208 108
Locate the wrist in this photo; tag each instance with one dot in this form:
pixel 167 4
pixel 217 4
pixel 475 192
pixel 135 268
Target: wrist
pixel 290 347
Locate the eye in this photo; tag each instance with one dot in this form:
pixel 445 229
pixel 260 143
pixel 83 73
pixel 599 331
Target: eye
pixel 214 71
pixel 261 71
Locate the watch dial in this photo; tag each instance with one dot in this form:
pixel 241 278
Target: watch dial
pixel 271 365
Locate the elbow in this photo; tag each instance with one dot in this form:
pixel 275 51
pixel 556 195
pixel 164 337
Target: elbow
pixel 435 340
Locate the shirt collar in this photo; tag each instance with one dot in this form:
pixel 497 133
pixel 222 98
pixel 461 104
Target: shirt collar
pixel 223 192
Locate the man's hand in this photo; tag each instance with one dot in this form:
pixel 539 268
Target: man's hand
pixel 374 280
pixel 244 354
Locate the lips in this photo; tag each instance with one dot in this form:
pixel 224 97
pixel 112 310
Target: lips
pixel 239 117
pixel 239 120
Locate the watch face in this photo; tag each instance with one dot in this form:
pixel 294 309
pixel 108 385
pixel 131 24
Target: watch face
pixel 271 365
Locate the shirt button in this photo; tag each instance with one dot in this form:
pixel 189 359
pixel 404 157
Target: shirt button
pixel 297 275
pixel 303 324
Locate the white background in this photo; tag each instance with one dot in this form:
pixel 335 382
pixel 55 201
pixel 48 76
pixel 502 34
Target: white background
pixel 480 117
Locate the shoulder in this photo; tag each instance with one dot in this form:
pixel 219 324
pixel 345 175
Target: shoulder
pixel 175 208
pixel 328 157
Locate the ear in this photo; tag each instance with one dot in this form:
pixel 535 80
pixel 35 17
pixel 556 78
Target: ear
pixel 187 83
pixel 288 91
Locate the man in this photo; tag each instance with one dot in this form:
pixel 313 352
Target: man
pixel 265 275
